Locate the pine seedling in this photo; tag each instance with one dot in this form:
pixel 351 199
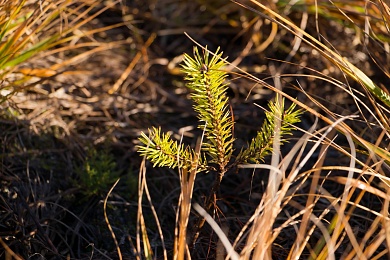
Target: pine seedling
pixel 98 172
pixel 207 80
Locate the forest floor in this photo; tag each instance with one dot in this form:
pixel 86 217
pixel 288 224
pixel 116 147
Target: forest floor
pixel 67 139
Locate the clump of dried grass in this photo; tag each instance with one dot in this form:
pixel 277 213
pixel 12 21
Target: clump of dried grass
pixel 296 181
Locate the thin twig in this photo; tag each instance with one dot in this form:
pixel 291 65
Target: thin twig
pixel 108 222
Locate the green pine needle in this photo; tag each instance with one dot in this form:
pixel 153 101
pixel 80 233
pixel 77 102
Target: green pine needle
pixel 207 79
pixel 161 150
pixel 261 145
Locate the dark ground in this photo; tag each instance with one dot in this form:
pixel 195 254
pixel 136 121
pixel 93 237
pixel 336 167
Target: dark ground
pixel 47 210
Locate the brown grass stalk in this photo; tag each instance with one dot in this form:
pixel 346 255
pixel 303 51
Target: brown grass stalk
pixel 108 222
pixel 141 225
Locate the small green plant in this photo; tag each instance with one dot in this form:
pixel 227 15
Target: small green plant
pixel 206 79
pixel 98 172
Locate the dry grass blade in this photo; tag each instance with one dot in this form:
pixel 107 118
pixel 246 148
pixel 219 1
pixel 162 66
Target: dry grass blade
pixel 263 226
pixel 143 188
pixel 29 30
pixel 108 222
pixel 187 181
pixel 22 44
pixel 131 66
pixel 230 250
pixel 329 54
pixel 9 254
pixel 361 185
pixel 340 221
pixel 86 54
pixel 340 62
pixel 301 240
pixel 299 243
pixel 140 218
pixel 263 221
